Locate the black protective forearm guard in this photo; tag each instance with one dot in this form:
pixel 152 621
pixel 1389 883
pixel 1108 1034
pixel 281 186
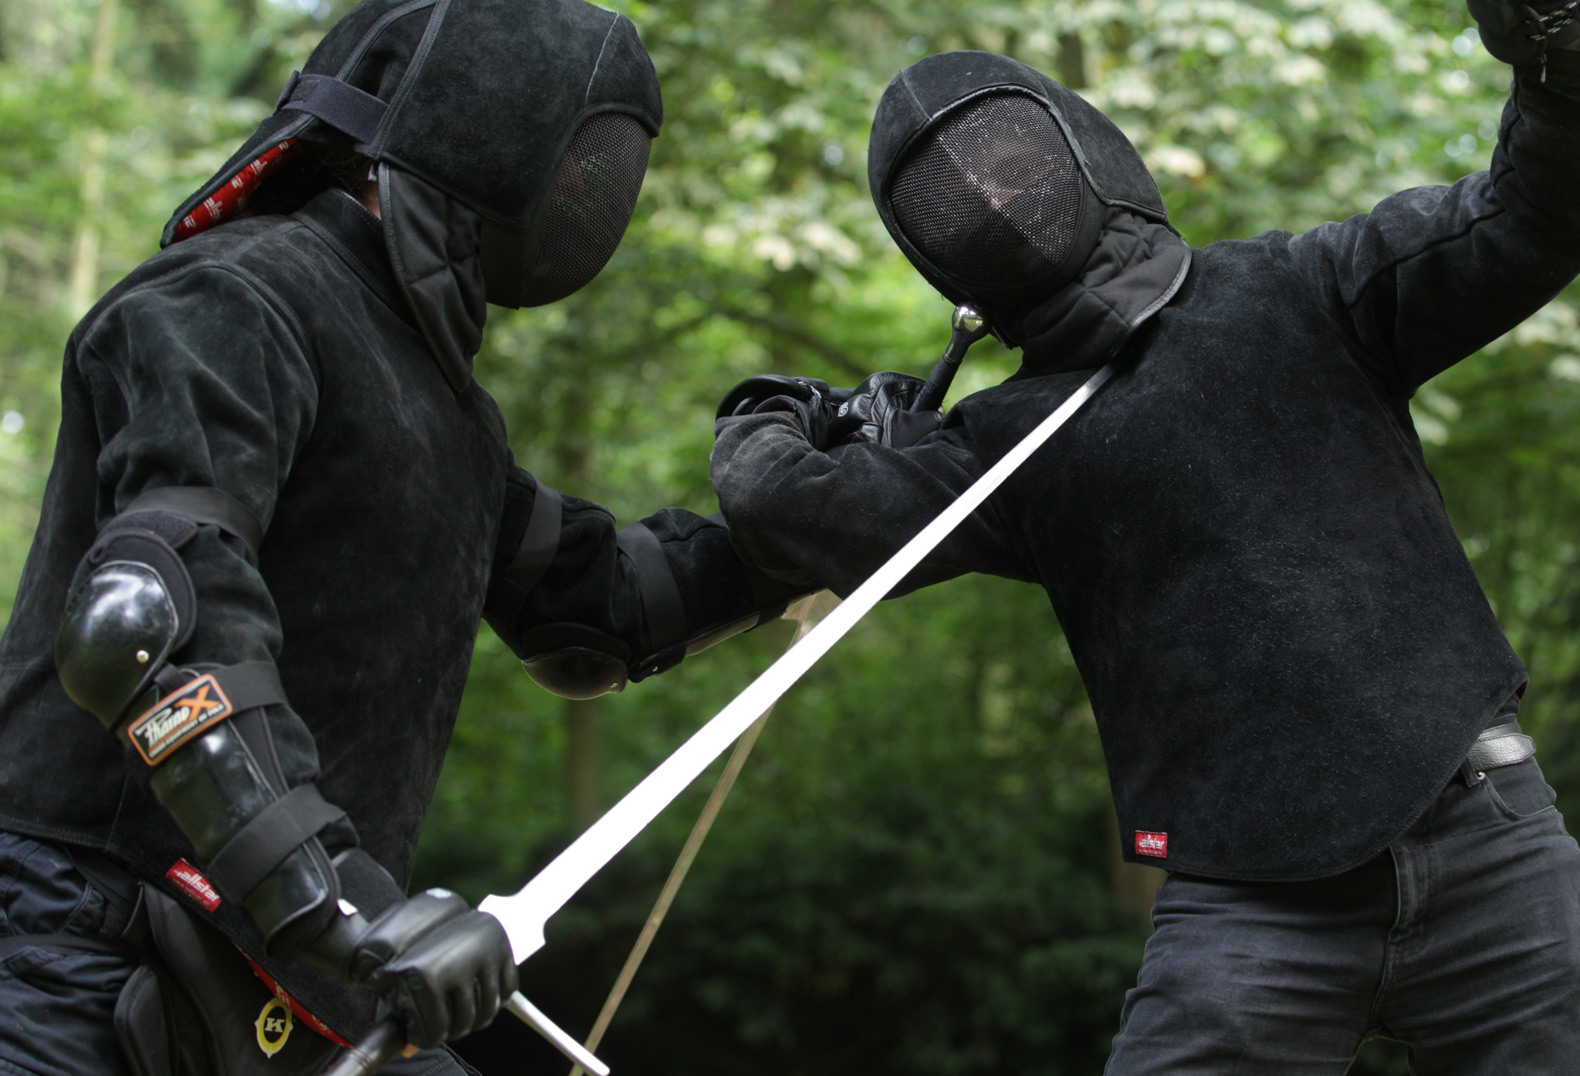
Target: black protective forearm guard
pixel 200 730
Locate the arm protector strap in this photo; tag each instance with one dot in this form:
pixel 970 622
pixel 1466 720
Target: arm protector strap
pixel 212 765
pixel 726 597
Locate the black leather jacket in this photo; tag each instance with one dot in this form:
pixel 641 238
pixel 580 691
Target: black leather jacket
pixel 1286 648
pixel 275 359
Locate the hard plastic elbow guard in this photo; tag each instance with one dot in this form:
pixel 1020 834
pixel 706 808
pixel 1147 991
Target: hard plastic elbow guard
pixel 200 728
pixel 131 610
pixel 575 661
pixel 601 665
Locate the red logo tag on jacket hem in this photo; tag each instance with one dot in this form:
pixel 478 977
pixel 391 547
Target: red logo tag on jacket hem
pixel 190 881
pixel 1152 844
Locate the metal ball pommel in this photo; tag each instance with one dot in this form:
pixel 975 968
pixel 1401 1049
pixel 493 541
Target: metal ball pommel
pixel 967 319
pixel 969 326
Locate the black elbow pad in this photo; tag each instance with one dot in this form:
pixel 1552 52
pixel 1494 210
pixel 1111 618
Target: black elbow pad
pixel 579 662
pixel 574 661
pixel 131 607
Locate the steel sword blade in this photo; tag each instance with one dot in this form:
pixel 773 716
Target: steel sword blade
pixel 525 913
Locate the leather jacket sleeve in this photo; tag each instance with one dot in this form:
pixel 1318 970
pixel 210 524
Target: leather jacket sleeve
pixel 201 382
pixel 1434 273
pixel 644 596
pixel 836 516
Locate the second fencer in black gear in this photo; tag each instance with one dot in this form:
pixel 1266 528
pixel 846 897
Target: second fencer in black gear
pixel 1305 702
pixel 280 507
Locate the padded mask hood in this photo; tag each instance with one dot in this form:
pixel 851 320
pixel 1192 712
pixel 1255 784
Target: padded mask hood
pixel 510 138
pixel 1074 211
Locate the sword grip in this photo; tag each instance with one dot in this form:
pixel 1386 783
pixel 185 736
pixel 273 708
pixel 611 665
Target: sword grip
pixel 932 395
pixel 969 327
pixel 372 1052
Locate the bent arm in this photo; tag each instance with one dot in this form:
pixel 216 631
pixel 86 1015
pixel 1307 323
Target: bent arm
pixel 202 397
pixel 587 605
pixel 835 517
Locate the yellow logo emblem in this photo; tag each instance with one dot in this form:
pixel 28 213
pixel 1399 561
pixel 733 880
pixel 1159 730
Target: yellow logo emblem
pixel 274 1026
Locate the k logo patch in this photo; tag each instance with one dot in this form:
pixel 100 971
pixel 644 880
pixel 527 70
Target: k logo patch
pixel 274 1026
pixel 178 717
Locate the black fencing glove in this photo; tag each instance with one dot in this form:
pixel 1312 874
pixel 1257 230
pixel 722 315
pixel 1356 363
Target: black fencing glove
pixel 810 399
pixel 879 411
pixel 443 969
pixel 1518 33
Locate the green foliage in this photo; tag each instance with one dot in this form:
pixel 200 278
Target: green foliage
pixel 915 874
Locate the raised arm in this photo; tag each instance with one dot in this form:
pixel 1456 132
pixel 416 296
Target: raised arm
pixel 1434 273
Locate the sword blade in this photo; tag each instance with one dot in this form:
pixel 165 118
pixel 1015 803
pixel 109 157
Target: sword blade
pixel 525 913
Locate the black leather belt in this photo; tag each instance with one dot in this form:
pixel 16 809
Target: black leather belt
pixel 1501 745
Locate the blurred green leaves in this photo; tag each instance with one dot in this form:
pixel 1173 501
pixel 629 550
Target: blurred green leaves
pixel 915 874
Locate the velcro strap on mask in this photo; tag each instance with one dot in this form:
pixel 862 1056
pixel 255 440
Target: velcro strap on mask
pixel 202 504
pixel 337 103
pixel 541 540
pixel 272 834
pixel 198 705
pixel 661 603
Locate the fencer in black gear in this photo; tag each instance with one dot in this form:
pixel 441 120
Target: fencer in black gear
pixel 280 507
pixel 1306 705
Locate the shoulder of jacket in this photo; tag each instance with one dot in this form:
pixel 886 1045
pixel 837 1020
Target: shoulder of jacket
pixel 227 274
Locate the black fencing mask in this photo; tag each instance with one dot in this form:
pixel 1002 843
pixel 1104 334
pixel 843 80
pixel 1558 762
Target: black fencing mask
pixel 510 138
pixel 579 223
pixel 1006 189
pixel 991 196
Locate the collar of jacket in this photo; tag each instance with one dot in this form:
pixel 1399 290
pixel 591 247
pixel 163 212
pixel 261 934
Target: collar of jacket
pixel 351 230
pixel 1136 269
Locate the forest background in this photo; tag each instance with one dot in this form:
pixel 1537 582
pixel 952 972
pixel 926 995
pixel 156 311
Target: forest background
pixel 918 871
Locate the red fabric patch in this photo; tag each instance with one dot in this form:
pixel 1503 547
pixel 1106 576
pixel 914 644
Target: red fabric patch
pixel 1152 844
pixel 297 1008
pixel 190 881
pixel 233 196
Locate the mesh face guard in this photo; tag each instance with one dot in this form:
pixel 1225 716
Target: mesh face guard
pixel 586 214
pixel 993 197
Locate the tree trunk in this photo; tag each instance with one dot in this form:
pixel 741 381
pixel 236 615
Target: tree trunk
pixel 82 287
pixel 1072 61
pixel 583 762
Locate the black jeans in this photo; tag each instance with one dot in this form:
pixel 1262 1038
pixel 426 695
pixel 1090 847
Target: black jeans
pixel 1462 941
pixel 56 1005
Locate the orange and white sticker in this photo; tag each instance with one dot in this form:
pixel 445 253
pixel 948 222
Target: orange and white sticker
pixel 173 720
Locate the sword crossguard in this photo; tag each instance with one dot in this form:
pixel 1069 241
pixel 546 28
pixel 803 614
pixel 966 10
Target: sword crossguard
pixel 387 1038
